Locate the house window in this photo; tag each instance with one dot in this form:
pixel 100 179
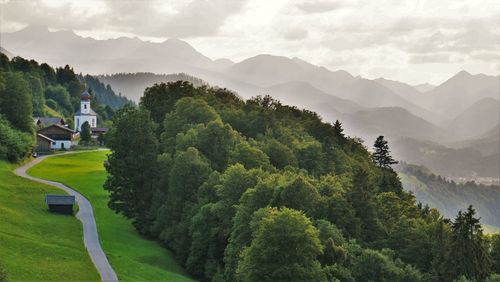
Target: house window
pixel 77 123
pixel 93 122
pixel 84 106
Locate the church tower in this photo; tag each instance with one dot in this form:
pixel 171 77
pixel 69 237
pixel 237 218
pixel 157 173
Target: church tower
pixel 85 113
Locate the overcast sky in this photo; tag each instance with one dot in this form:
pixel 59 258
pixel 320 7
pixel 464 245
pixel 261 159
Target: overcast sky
pixel 413 41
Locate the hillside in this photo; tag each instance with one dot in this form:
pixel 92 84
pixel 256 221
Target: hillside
pixel 32 237
pixel 133 257
pixel 449 197
pixel 468 162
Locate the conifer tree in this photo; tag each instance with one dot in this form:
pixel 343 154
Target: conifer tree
pixel 381 156
pixel 338 130
pixel 468 253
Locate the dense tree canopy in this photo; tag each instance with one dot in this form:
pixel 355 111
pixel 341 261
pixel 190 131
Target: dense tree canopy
pixel 259 191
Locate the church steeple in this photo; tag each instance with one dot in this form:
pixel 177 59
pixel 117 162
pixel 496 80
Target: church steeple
pixel 85 113
pixel 85 103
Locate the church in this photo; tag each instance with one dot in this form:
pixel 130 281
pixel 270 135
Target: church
pixel 85 113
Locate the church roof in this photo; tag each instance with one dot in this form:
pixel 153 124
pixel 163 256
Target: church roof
pixel 85 96
pixel 92 113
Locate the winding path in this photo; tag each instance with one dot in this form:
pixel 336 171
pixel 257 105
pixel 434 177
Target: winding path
pixel 86 216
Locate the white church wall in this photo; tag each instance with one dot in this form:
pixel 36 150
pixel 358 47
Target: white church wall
pixel 79 120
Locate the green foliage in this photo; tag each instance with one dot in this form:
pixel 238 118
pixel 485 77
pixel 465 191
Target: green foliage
pixel 495 253
pixel 15 101
pixel 372 265
pixel 249 156
pixel 132 165
pixel 275 233
pixel 237 185
pixel 104 94
pixel 279 154
pixel 468 253
pixel 38 98
pixel 14 144
pixel 85 134
pixel 381 155
pixel 60 95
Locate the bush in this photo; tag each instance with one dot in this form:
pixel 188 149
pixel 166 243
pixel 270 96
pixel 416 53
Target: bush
pixel 14 145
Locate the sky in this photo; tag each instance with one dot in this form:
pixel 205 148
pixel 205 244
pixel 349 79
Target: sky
pixel 413 41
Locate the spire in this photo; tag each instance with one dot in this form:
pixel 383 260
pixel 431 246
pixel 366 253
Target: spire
pixel 85 96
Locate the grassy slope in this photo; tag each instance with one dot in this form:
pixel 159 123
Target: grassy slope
pixel 132 257
pixel 36 245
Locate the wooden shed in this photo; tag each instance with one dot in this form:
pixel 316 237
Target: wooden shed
pixel 44 143
pixel 60 203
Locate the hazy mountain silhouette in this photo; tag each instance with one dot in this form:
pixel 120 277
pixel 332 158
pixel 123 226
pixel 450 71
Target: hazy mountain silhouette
pixel 104 56
pixel 6 53
pixel 393 122
pixel 478 119
pixel 424 87
pixel 303 95
pixel 461 91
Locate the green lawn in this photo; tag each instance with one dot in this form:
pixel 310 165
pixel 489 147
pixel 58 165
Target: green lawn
pixel 132 257
pixel 36 245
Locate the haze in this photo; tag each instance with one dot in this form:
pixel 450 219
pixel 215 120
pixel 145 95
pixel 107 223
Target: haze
pixel 411 41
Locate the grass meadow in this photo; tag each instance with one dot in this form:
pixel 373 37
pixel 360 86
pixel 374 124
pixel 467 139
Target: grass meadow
pixel 133 257
pixel 36 245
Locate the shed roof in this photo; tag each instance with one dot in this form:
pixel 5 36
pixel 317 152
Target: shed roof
pixel 53 199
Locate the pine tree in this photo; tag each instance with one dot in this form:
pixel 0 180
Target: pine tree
pixel 338 130
pixel 468 252
pixel 381 156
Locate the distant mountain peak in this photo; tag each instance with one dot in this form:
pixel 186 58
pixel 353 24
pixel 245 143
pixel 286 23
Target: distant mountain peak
pixel 38 28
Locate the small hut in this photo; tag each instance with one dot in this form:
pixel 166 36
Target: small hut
pixel 60 203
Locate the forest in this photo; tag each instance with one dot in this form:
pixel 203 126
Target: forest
pixel 29 89
pixel 259 191
pixel 448 196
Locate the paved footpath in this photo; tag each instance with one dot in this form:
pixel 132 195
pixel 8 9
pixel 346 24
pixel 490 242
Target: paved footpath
pixel 86 216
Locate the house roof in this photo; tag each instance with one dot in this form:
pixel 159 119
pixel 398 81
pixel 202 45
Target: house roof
pixel 58 126
pixel 48 120
pixel 45 137
pixel 53 199
pixel 79 113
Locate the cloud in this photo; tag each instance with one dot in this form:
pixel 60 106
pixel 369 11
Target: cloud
pixel 311 7
pixel 430 58
pixel 363 36
pixel 181 19
pixel 295 34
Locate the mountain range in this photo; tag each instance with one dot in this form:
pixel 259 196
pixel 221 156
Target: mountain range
pixel 452 116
